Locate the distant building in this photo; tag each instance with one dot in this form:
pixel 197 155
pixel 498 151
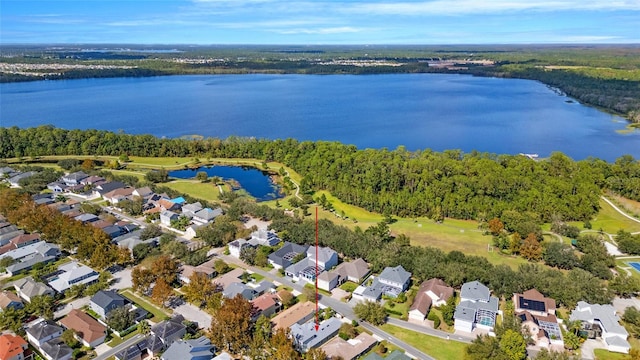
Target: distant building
pixel 27 288
pixel 9 300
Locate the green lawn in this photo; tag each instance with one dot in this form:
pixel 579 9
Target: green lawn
pixel 397 310
pixel 602 354
pixel 117 341
pixel 158 314
pixel 440 349
pixel 205 191
pixel 349 286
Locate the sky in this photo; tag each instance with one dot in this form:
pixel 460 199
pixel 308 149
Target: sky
pixel 320 21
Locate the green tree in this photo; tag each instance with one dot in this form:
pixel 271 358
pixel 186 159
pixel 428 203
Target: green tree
pixel 69 338
pixel 120 318
pixel 144 328
pixel 202 176
pixel 371 312
pixel 513 345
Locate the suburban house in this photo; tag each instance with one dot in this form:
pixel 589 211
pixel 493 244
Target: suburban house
pixel 195 349
pixel 56 349
pixel 18 242
pixel 117 195
pixel 143 192
pixel 266 305
pixel 92 180
pixel 13 347
pixel 306 268
pixel 167 216
pixel 57 186
pixel 189 210
pixel 14 181
pixel 236 246
pixel 601 321
pixel 30 255
pixel 104 301
pixel 299 313
pixel 9 232
pixel 105 188
pixel 223 356
pixel 9 300
pixel 87 329
pixel 187 271
pixel 306 337
pixel 349 349
pixel 537 314
pixel 73 273
pixel 391 282
pixel 206 215
pixel 86 218
pixel 477 308
pixel 265 237
pixel 229 278
pixel 355 271
pixel 170 330
pixel 262 287
pixel 42 332
pixel 230 291
pixel 433 292
pixel 283 257
pixel 73 179
pixel 27 288
pixel 169 205
pixel 328 280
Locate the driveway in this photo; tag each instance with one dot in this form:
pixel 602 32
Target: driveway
pixel 121 279
pixel 588 347
pixel 193 313
pixel 75 304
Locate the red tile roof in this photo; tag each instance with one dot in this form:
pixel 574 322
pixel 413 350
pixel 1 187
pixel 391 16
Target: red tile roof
pixel 88 328
pixel 11 345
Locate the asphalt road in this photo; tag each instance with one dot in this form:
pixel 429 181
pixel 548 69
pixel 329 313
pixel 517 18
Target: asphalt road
pixel 342 308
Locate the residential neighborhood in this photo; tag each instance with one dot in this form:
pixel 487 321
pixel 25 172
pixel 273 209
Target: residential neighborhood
pixel 162 300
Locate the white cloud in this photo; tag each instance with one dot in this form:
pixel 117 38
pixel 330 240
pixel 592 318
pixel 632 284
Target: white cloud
pixel 447 7
pixel 321 31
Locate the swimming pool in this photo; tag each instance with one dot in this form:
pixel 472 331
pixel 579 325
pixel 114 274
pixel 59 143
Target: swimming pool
pixel 635 265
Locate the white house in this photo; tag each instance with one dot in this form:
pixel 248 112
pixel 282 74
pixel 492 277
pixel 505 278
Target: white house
pixel 476 309
pixel 603 321
pixel 73 273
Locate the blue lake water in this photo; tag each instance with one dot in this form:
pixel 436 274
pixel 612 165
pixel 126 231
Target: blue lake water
pixel 254 181
pixel 418 111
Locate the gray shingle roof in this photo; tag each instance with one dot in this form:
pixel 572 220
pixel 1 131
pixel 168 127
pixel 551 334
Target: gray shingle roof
pixel 196 349
pixel 606 314
pixel 56 349
pixel 474 290
pixel 305 336
pixel 395 274
pixel 43 329
pixel 283 256
pixel 108 298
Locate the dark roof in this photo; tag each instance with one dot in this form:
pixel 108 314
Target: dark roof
pixel 167 328
pixel 133 351
pixel 108 298
pixel 110 186
pixel 56 349
pixel 283 256
pixel 195 349
pixel 43 329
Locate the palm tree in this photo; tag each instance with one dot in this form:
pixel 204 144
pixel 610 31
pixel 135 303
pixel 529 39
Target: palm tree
pixel 143 327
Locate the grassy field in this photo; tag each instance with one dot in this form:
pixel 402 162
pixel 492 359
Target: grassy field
pixel 205 191
pixel 438 348
pixel 610 221
pixel 632 207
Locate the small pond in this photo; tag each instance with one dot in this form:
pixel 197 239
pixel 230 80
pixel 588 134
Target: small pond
pixel 257 183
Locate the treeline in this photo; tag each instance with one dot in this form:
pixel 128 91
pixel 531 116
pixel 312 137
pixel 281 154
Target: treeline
pixel 409 184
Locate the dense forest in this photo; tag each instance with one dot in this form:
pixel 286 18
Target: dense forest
pixel 410 184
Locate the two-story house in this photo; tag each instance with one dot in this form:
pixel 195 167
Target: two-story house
pixel 477 308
